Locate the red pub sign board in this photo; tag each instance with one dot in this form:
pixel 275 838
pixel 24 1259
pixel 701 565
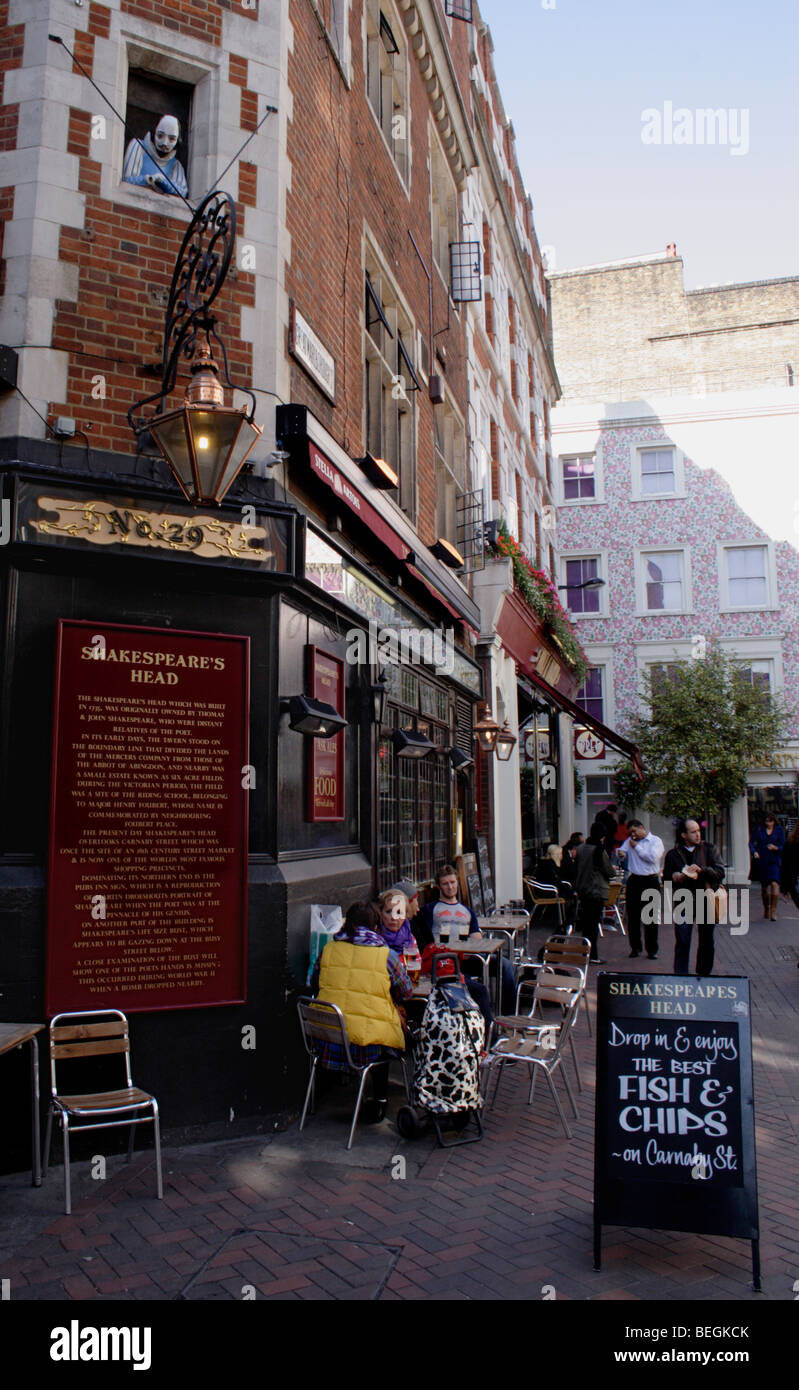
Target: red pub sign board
pixel 326 762
pixel 148 819
pixel 587 745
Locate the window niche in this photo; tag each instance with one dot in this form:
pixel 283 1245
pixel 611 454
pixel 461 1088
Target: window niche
pixel 157 103
pixel 155 81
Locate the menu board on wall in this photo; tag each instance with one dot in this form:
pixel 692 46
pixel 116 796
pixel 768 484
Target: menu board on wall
pixel 675 1133
pixel 148 822
pixel 486 883
pixel 469 876
pixel 326 757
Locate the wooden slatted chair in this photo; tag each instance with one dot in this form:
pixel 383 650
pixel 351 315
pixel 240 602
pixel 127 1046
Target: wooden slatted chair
pixel 74 1038
pixel 567 949
pixel 550 985
pixel 612 915
pixel 540 1048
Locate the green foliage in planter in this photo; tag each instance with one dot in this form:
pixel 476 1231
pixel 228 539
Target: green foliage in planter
pixel 540 594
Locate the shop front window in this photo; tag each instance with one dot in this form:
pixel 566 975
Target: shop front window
pixel 414 795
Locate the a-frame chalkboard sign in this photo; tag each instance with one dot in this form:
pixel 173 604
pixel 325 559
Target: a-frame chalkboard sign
pixel 675 1121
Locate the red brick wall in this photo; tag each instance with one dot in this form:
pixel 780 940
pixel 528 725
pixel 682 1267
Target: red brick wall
pixel 342 173
pixel 124 256
pixel 10 58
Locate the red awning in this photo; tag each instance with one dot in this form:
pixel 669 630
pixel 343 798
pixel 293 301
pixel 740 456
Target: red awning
pixel 356 502
pixel 622 745
pixel 431 589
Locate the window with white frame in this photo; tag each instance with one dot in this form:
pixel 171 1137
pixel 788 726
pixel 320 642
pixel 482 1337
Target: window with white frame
pixel 578 473
pixel 591 695
pixel 658 471
pixel 390 380
pixel 577 572
pixel 759 674
pixel 746 576
pixel 444 207
pixel 450 450
pixel 387 78
pixel 663 673
pixel 663 584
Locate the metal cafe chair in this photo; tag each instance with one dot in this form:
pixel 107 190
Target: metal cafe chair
pixel 550 985
pixel 612 915
pixel 541 1049
pixel 566 949
pixel 74 1038
pixel 542 896
pixel 325 1023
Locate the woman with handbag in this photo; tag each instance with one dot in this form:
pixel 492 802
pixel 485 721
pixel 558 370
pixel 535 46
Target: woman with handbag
pixel 766 847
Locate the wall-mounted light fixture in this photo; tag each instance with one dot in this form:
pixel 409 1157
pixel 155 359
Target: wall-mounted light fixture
pixel 313 718
pixel 409 743
pixel 459 760
pixel 204 442
pixel 486 729
pixel 446 552
pixel 379 472
pixel 377 699
pixel 505 743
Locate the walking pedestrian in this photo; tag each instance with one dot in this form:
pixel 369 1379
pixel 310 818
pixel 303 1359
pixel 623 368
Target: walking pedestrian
pixel 694 865
pixel 643 855
pixel 766 847
pixel 592 880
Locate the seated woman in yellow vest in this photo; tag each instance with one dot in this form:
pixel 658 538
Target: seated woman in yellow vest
pixel 359 973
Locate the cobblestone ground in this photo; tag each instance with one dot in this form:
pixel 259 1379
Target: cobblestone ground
pixel 298 1218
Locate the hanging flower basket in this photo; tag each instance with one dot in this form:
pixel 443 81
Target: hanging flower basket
pixel 541 596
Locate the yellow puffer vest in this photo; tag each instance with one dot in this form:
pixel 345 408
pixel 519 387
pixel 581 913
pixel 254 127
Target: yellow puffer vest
pixel 357 980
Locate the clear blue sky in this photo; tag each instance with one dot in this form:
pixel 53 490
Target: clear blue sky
pixel 575 80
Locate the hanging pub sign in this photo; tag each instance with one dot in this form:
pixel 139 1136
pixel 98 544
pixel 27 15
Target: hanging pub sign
pixel 675 1124
pixel 587 745
pixel 147 881
pixel 326 756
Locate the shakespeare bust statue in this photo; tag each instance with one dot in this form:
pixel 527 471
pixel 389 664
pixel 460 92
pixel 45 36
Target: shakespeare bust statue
pixel 153 162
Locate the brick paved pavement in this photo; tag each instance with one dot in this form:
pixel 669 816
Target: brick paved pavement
pixel 297 1218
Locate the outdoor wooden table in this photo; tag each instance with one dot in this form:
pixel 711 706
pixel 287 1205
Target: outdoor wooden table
pixel 14 1035
pixel 509 923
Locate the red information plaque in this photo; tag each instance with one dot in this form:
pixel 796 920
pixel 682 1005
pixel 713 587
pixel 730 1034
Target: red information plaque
pixel 326 761
pixel 147 893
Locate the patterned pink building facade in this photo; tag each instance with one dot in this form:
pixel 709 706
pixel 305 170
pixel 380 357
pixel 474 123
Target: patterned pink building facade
pixel 677 408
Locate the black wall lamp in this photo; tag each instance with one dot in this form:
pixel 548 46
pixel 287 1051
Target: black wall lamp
pixel 409 743
pixel 379 472
pixel 204 442
pixel 313 718
pixel 377 699
pixel 459 760
pixel 446 552
pixel 595 583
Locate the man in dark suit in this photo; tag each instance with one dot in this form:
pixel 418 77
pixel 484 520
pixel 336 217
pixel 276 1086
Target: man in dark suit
pixel 693 866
